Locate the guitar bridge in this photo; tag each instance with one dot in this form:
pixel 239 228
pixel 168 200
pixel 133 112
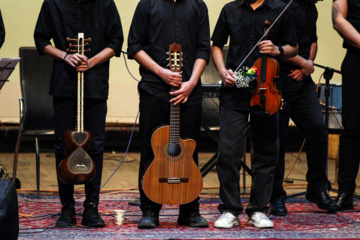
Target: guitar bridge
pixel 173 180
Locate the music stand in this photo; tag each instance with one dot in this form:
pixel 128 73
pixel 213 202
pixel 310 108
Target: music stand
pixel 7 66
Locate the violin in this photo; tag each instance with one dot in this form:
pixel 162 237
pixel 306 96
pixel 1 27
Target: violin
pixel 266 99
pixel 77 167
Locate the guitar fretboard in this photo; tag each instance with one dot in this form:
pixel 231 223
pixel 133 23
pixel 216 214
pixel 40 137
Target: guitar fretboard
pixel 175 63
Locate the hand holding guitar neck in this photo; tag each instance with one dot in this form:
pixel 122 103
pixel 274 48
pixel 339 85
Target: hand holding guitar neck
pixel 173 177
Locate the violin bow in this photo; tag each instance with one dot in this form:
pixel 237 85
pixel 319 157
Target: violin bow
pixel 265 34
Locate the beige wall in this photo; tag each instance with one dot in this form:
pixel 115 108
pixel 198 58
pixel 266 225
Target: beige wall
pixel 20 18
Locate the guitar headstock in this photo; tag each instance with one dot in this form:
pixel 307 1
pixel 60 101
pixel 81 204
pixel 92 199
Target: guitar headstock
pixel 78 44
pixel 175 57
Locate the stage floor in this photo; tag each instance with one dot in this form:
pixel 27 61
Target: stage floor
pixel 305 220
pixel 126 176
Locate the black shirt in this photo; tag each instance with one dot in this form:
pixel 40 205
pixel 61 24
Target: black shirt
pixel 305 15
pixel 245 27
pixel 353 16
pixel 159 23
pixel 2 31
pixel 97 19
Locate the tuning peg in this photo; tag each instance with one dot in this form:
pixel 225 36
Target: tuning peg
pixel 87 50
pixel 71 50
pixel 87 40
pixel 71 39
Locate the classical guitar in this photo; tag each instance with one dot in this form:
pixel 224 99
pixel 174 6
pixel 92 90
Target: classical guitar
pixel 77 167
pixel 173 177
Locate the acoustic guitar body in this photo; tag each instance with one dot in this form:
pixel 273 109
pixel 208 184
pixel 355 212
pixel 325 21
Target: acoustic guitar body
pixel 173 177
pixel 77 167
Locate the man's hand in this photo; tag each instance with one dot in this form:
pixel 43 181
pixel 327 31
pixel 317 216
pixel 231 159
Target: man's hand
pixel 171 78
pixel 267 47
pixel 75 60
pixel 85 66
pixel 183 93
pixel 297 75
pixel 307 68
pixel 228 78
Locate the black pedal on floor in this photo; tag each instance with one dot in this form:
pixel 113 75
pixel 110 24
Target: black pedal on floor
pixel 135 202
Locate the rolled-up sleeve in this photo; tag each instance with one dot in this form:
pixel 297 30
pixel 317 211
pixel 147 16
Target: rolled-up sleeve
pixel 203 45
pixel 42 34
pixel 288 33
pixel 114 32
pixel 221 33
pixel 138 29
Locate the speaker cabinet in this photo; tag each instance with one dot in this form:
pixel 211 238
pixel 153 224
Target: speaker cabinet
pixel 211 106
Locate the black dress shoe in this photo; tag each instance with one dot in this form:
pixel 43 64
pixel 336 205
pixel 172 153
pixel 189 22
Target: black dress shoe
pixel 67 216
pixel 91 216
pixel 344 201
pixel 321 198
pixel 278 208
pixel 149 219
pixel 193 219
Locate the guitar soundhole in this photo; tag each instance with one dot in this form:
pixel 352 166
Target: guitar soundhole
pixel 174 149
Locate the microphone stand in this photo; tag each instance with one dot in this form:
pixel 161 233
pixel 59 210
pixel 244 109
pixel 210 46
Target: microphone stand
pixel 328 74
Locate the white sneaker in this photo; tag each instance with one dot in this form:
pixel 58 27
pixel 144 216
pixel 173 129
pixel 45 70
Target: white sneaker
pixel 227 220
pixel 260 220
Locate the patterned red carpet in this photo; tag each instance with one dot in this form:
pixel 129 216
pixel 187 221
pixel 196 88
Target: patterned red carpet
pixel 305 221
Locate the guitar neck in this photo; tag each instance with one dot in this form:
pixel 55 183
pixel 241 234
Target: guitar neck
pixel 175 63
pixel 174 123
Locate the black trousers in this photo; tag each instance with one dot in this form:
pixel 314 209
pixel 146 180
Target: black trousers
pixel 94 121
pixel 153 113
pixel 303 107
pixel 265 137
pixel 349 152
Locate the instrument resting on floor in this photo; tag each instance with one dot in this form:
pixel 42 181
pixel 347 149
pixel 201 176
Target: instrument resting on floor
pixel 77 167
pixel 173 177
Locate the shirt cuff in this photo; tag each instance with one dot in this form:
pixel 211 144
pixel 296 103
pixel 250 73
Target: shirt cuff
pixel 204 55
pixel 133 50
pixel 219 45
pixel 116 47
pixel 40 45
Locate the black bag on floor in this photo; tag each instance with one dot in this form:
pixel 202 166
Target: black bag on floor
pixel 9 213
